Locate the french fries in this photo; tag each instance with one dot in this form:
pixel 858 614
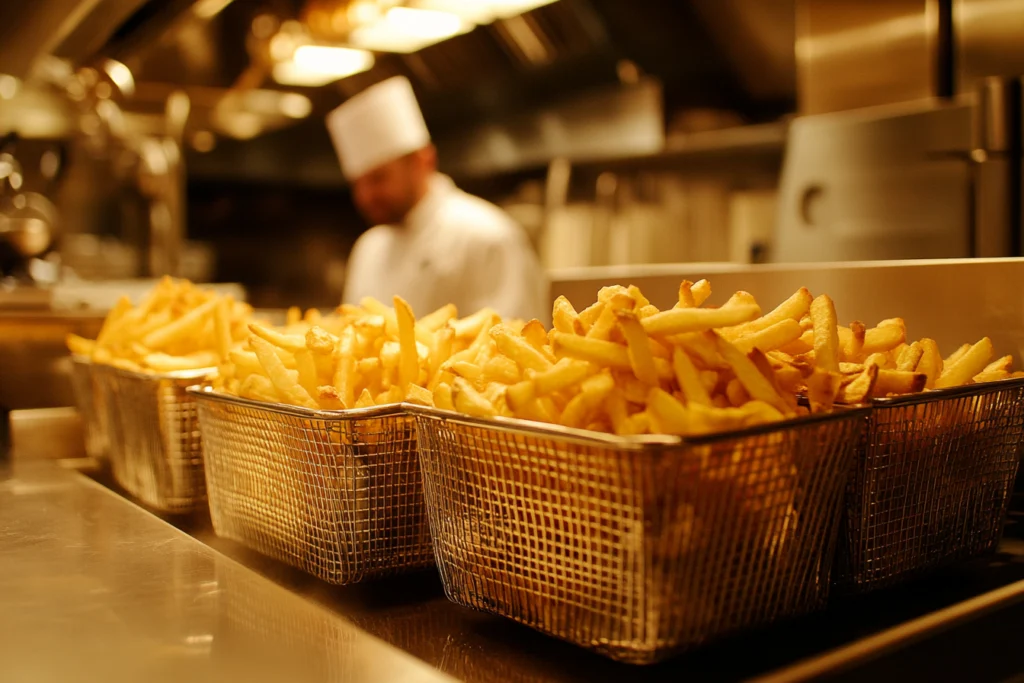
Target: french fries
pixel 623 366
pixel 373 354
pixel 856 363
pixel 177 327
pixel 619 365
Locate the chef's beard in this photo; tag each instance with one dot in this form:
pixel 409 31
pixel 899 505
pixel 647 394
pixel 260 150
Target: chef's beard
pixel 388 200
pixel 393 212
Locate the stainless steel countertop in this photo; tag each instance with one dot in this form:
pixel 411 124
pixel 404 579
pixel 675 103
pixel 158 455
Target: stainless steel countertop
pixel 93 588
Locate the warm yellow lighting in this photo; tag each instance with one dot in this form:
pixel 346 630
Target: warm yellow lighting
pixel 208 9
pixel 203 141
pixel 121 75
pixel 340 61
pixel 473 11
pixel 295 106
pixel 504 9
pixel 241 125
pixel 287 73
pixel 9 86
pixel 481 11
pixel 315 65
pixel 407 29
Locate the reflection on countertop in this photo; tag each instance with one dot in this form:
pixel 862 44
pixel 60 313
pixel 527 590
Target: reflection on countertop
pixel 412 613
pixel 94 588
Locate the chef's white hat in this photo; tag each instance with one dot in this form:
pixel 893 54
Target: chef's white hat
pixel 380 124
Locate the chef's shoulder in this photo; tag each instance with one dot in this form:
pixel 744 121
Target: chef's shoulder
pixel 479 221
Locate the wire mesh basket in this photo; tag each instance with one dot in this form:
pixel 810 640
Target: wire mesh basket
pixel 336 494
pixel 931 482
pixel 90 405
pixel 153 429
pixel 641 547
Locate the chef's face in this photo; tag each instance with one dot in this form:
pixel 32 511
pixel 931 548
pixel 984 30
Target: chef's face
pixel 388 193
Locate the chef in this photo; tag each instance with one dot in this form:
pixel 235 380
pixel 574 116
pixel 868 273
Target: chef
pixel 432 243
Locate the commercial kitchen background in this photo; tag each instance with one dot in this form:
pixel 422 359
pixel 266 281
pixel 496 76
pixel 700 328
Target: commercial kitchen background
pixel 177 136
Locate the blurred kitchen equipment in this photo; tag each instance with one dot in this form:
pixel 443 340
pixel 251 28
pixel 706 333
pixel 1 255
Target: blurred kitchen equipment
pixel 910 146
pixel 28 220
pixel 752 225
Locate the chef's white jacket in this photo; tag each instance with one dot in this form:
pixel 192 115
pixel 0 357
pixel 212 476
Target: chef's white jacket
pixel 452 248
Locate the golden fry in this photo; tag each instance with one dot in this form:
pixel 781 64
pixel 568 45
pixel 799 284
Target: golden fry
pixel 680 320
pixel 891 382
pixel 602 353
pixel 686 299
pixel 770 338
pixel 701 290
pixel 931 362
pixel 826 334
pixel 519 350
pixel 565 317
pixel 688 379
pixel 910 357
pixel 286 387
pixel 969 364
pixel 408 366
pixel 469 401
pixel 638 347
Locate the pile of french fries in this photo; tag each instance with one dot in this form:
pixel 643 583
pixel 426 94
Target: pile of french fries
pixel 830 363
pixel 620 365
pixel 623 366
pixel 363 356
pixel 177 327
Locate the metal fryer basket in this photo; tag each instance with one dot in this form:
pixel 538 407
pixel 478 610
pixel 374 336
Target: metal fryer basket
pixel 155 450
pixel 931 482
pixel 336 494
pixel 90 405
pixel 636 548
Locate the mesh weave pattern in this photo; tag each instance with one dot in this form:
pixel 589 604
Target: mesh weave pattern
pixel 90 406
pixel 337 496
pixel 155 450
pixel 931 483
pixel 635 551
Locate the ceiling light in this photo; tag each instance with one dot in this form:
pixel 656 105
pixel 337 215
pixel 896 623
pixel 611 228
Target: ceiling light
pixel 407 29
pixel 504 9
pixel 121 75
pixel 474 11
pixel 208 9
pixel 316 65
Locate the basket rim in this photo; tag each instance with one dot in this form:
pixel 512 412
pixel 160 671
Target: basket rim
pixel 191 375
pixel 949 392
pixel 202 394
pixel 637 443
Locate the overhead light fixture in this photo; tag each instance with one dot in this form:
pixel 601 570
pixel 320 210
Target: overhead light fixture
pixel 503 9
pixel 208 9
pixel 316 65
pixel 408 29
pixel 474 11
pixel 481 11
pixel 121 75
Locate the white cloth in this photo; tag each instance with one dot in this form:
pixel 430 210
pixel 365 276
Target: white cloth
pixel 452 248
pixel 380 124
